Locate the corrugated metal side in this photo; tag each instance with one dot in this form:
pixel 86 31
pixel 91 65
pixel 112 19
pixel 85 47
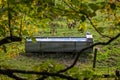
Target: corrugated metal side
pixel 32 47
pixel 80 45
pixel 57 46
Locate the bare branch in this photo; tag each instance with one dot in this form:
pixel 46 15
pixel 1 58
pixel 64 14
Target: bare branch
pixel 78 54
pixel 71 7
pixel 11 71
pixel 9 39
pixel 95 27
pixel 14 76
pixel 20 34
pixel 9 19
pixel 10 74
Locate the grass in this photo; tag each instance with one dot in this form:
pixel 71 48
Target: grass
pixel 108 57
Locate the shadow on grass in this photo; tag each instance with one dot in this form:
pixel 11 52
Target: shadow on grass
pixel 63 58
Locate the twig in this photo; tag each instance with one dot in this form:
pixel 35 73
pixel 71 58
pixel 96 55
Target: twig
pixel 20 34
pixel 95 27
pixel 9 19
pixel 10 74
pixel 71 7
pixel 10 39
pixel 11 71
pixel 78 54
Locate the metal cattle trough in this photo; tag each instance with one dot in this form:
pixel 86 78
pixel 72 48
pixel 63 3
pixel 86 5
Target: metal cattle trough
pixel 58 44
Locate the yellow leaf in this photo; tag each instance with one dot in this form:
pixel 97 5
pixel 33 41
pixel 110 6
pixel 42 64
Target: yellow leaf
pixel 111 1
pixel 1 49
pixel 70 20
pixel 118 19
pixel 95 22
pixel 24 28
pixel 35 30
pixel 108 19
pixel 111 31
pixel 29 27
pixel 0 2
pixel 34 2
pixel 85 0
pixel 82 27
pixel 27 18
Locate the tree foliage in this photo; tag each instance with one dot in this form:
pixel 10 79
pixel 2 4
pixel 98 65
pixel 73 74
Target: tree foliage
pixel 23 17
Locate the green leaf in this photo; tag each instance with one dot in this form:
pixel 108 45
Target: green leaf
pixel 102 4
pixel 82 27
pixel 117 24
pixel 94 7
pixel 2 30
pixel 112 6
pixel 92 14
pixel 75 2
pixel 88 73
pixel 33 39
pixel 83 18
pixel 25 32
pixel 100 29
